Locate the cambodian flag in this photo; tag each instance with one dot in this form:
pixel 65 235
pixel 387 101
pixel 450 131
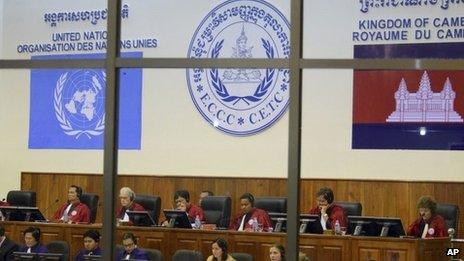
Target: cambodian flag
pixel 67 106
pixel 407 109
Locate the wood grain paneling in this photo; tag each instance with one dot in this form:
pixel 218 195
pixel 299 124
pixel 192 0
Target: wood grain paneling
pixel 378 197
pixel 320 247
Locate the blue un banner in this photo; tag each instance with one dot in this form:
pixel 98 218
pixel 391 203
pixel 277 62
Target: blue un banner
pixel 67 106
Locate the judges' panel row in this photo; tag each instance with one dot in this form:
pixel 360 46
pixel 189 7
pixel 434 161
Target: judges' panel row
pixel 378 198
pixel 317 247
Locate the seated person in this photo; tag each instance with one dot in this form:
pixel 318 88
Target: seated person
pixel 7 247
pixel 127 197
pixel 429 224
pixel 204 193
pixel 182 201
pixel 91 245
pixel 131 251
pixel 244 220
pixel 219 251
pixel 328 212
pixel 277 253
pixel 32 241
pixel 73 211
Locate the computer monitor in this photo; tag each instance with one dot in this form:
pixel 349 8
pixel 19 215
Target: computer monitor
pixel 141 218
pixel 50 257
pixel 92 257
pixel 375 226
pixel 177 218
pixel 21 213
pixel 308 223
pixel 19 256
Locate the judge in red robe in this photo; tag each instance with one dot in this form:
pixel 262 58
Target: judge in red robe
pixel 73 211
pixel 328 212
pixel 244 220
pixel 182 202
pixel 127 199
pixel 429 224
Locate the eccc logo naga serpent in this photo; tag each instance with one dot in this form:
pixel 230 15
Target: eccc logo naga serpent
pixel 241 101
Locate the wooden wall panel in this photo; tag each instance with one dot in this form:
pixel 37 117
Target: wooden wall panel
pixel 319 247
pixel 378 197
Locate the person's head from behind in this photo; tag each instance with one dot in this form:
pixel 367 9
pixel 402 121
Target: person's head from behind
pixel 247 201
pixel 324 197
pixel 427 207
pixel 277 253
pixel 181 199
pixel 219 249
pixel 126 196
pixel 74 193
pixel 91 239
pixel 31 236
pixel 203 194
pixel 129 242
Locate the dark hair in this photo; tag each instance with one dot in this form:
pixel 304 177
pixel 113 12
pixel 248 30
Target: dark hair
pixel 2 231
pixel 281 249
pixel 427 202
pixel 35 232
pixel 183 194
pixel 249 197
pixel 326 193
pixel 93 234
pixel 78 191
pixel 210 193
pixel 129 235
pixel 223 246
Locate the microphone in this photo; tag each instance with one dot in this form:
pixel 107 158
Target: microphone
pixel 51 205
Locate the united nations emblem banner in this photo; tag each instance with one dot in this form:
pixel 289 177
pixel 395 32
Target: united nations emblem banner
pixel 67 106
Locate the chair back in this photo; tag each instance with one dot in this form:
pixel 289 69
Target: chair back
pixel 25 198
pixel 153 254
pixel 59 247
pixel 152 204
pixel 351 208
pixel 272 204
pixel 242 256
pixel 187 255
pixel 217 210
pixel 91 200
pixel 450 213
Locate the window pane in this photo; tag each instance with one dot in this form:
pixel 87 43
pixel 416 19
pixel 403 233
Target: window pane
pixel 382 29
pixel 207 29
pixel 62 30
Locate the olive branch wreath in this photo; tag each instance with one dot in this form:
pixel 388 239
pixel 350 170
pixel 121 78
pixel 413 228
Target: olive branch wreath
pixel 260 91
pixel 61 116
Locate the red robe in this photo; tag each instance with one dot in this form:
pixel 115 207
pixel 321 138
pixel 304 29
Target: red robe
pixel 335 212
pixel 133 207
pixel 80 213
pixel 437 227
pixel 259 214
pixel 4 204
pixel 193 211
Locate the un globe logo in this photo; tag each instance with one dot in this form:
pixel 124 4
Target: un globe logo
pixel 79 103
pixel 241 101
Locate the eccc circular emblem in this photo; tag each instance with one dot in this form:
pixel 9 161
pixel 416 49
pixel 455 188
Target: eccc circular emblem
pixel 79 102
pixel 241 101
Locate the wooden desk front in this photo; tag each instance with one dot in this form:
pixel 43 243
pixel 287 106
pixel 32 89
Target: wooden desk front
pixel 318 247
